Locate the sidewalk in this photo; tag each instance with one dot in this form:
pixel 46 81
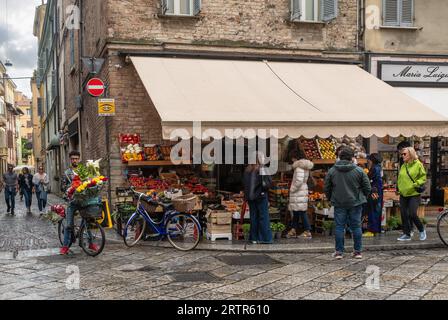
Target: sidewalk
pixel 383 242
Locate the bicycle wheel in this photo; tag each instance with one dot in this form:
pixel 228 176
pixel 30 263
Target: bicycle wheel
pixel 442 227
pixel 135 228
pixel 61 230
pixel 61 233
pixel 183 231
pixel 92 238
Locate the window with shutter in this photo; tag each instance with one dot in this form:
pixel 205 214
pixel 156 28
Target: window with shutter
pixel 296 11
pixel 407 13
pixel 329 9
pixel 398 13
pixel 390 12
pixel 181 7
pixel 314 10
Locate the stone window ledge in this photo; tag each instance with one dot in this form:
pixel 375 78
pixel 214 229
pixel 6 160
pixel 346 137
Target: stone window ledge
pixel 308 22
pixel 174 16
pixel 401 28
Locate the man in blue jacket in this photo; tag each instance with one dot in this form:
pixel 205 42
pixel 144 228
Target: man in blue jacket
pixel 347 186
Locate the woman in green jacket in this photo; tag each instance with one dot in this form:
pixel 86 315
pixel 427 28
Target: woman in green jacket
pixel 411 179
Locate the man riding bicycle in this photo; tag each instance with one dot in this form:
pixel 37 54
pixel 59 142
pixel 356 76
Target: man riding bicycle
pixel 72 207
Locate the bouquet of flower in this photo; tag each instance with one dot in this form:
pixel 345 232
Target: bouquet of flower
pixel 87 183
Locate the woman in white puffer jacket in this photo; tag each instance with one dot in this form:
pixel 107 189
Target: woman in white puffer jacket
pixel 298 197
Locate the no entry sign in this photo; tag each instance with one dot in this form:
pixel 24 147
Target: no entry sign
pixel 95 87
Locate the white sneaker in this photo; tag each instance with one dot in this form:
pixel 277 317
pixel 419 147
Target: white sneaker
pixel 412 234
pixel 423 235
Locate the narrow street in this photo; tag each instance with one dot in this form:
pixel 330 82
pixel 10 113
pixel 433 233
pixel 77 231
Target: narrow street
pixel 36 271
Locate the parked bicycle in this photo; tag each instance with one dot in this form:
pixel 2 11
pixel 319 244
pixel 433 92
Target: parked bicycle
pixel 182 229
pixel 89 232
pixel 442 225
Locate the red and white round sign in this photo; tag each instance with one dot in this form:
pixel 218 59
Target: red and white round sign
pixel 95 87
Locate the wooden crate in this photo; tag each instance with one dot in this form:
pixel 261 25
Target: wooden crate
pixel 219 228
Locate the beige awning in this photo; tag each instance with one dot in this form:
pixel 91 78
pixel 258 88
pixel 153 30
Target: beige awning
pixel 297 99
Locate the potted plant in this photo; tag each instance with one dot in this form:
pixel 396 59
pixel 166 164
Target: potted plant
pixel 328 227
pixel 246 230
pixel 393 223
pixel 273 229
pixel 279 228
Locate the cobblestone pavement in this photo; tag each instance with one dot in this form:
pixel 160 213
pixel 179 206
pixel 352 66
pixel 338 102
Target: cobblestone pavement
pixel 26 231
pixel 159 273
pixel 30 268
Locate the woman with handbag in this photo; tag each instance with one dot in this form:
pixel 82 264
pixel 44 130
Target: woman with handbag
pixel 411 181
pixel 40 181
pixel 256 186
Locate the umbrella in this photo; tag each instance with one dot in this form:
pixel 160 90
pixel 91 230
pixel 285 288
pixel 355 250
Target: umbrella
pixel 19 169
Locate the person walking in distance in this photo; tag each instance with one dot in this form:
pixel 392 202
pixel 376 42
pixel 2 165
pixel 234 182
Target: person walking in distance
pixel 10 182
pixel 26 187
pixel 41 181
pixel 410 184
pixel 347 186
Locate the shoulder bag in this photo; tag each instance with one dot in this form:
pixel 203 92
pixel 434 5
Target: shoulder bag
pixel 419 189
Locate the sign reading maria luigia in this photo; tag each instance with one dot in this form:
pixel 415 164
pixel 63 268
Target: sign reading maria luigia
pixel 436 74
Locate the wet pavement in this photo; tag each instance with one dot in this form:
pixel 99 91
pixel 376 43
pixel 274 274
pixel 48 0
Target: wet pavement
pixel 30 268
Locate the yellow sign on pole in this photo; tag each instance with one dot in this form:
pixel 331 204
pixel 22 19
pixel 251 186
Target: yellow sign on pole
pixel 106 107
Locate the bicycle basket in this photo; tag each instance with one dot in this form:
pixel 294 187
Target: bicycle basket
pixel 92 211
pixel 185 203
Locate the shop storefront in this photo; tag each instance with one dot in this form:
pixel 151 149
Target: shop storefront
pixel 319 107
pixel 425 79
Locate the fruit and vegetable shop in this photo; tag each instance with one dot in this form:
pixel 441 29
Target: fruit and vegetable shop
pixel 314 110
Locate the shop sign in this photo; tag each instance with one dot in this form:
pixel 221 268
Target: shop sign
pixel 106 107
pixel 411 74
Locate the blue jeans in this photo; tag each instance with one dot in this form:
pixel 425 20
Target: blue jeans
pixel 42 203
pixel 300 215
pixel 375 210
pixel 10 197
pixel 28 197
pixel 352 216
pixel 260 228
pixel 69 222
pixel 69 225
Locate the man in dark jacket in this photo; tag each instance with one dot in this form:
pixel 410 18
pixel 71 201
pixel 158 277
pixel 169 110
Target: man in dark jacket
pixel 347 186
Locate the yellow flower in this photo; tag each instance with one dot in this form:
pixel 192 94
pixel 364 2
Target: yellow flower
pixel 101 177
pixel 79 189
pixel 85 184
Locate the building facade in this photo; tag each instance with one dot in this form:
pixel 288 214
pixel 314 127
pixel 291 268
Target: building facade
pixel 25 128
pixel 405 48
pixel 113 30
pixel 46 31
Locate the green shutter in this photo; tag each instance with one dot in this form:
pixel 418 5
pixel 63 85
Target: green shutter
pixel 328 9
pixel 390 12
pixel 296 12
pixel 407 13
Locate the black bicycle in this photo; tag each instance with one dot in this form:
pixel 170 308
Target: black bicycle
pixel 442 225
pixel 90 233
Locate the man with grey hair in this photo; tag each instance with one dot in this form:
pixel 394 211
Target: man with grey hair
pixel 10 181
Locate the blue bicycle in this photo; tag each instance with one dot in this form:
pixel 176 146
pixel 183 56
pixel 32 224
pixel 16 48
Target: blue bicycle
pixel 182 230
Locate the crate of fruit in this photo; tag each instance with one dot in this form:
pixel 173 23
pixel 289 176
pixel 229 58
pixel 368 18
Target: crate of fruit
pixel 327 149
pixel 310 148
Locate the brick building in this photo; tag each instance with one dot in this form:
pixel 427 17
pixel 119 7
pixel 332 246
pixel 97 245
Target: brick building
pixel 323 32
pixel 115 30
